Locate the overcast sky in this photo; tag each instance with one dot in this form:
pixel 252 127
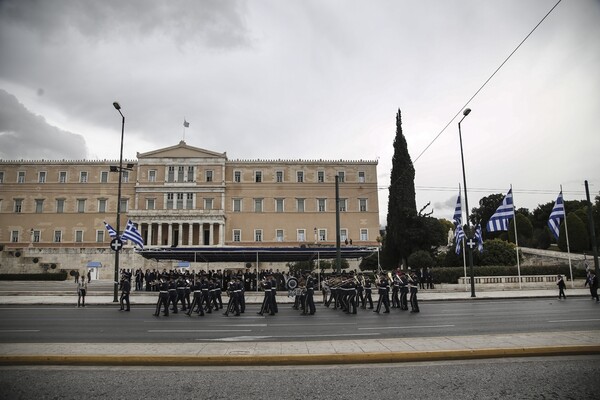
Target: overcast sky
pixel 322 79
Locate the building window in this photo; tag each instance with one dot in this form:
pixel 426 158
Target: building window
pixel 57 236
pixel 279 235
pixel 39 205
pixel 180 201
pixel 102 205
pixel 361 176
pixel 322 235
pixel 301 235
pixel 80 205
pixel 320 176
pixel 343 235
pixel 343 205
pixel 258 235
pixel 36 236
pixel 125 176
pixel 169 201
pixel 21 177
pixel 14 236
pixel 279 176
pixel 237 205
pixel 62 177
pixel 300 205
pixel 257 176
pixel 364 234
pixel 150 204
pixel 99 236
pixel 83 177
pixel 152 175
pixel 321 205
pixel 279 205
pixel 189 201
pixel 190 174
pixel 209 176
pixel 362 205
pixel 60 206
pixel 124 205
pixel 42 177
pixel 18 205
pixel 208 204
pixel 237 176
pixel 258 205
pixel 341 176
pixel 171 174
pixel 104 177
pixel 299 176
pixel 180 173
pixel 78 236
pixel 1 177
pixel 237 235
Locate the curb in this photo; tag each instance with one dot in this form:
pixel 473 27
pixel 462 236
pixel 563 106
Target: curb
pixel 297 359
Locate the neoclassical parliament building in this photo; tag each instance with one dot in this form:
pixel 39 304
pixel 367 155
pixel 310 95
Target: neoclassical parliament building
pixel 52 212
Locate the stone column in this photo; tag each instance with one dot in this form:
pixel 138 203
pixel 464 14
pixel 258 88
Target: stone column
pixel 159 240
pixel 170 234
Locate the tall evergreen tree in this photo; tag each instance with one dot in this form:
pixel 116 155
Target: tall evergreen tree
pixel 402 207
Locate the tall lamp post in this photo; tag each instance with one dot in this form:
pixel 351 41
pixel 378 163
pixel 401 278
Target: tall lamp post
pixel 470 242
pixel 120 171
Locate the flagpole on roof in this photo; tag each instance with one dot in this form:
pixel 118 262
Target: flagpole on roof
pixel 567 237
pixel 516 238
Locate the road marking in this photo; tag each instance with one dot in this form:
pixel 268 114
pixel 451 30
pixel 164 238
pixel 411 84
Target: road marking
pixel 196 330
pixel 248 338
pixel 575 320
pixel 409 327
pixel 18 330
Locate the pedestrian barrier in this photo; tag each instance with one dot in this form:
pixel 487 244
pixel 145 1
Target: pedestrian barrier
pixel 511 281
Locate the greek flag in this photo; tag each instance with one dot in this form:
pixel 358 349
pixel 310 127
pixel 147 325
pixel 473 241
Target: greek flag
pixel 458 212
pixel 558 213
pixel 499 221
pixel 131 233
pixel 111 231
pixel 479 238
pixel 459 234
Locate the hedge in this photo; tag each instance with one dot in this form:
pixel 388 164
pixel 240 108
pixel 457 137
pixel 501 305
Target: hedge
pixel 58 276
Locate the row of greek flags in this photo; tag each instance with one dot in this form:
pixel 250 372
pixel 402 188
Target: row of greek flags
pixel 501 218
pixel 130 233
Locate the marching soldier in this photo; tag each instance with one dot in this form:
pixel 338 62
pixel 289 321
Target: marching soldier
pixel 267 303
pixel 197 298
pixel 163 298
pixel 413 284
pixel 309 303
pixel 368 298
pixel 207 291
pixel 403 292
pixel 181 293
pixel 395 290
pixel 173 294
pixel 383 290
pixel 125 289
pixel 274 294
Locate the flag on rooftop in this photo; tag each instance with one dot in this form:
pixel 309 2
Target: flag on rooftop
pixel 111 231
pixel 186 124
pixel 131 233
pixel 504 213
pixel 557 214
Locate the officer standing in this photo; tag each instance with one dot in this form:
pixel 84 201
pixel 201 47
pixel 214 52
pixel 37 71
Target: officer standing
pixel 125 289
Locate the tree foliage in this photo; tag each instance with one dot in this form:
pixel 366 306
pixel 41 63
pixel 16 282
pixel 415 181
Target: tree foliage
pixel 420 259
pixel 578 235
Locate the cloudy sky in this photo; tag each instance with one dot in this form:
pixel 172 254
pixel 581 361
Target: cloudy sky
pixel 315 79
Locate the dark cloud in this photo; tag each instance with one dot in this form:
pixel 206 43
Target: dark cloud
pixel 26 135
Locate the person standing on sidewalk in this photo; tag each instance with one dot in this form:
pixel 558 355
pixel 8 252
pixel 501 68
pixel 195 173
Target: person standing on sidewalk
pixel 560 282
pixel 81 291
pixel 594 286
pixel 125 290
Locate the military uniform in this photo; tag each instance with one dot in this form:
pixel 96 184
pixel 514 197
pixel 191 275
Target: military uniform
pixel 125 290
pixel 383 290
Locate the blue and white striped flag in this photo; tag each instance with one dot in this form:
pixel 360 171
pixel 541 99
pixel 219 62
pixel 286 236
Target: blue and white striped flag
pixel 131 233
pixel 458 212
pixel 459 234
pixel 111 231
pixel 479 238
pixel 504 213
pixel 557 214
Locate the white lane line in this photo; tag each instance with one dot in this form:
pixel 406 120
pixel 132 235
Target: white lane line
pixel 18 330
pixel 248 338
pixel 196 330
pixel 574 320
pixel 408 327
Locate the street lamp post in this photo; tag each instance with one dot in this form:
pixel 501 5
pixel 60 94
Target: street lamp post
pixel 120 171
pixel 469 235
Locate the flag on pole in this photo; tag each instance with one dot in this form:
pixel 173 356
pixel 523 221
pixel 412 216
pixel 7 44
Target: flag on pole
pixel 479 238
pixel 111 231
pixel 459 234
pixel 186 124
pixel 131 233
pixel 499 221
pixel 557 214
pixel 458 212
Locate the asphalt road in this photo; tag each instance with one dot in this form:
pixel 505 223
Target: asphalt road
pixel 105 324
pixel 516 378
